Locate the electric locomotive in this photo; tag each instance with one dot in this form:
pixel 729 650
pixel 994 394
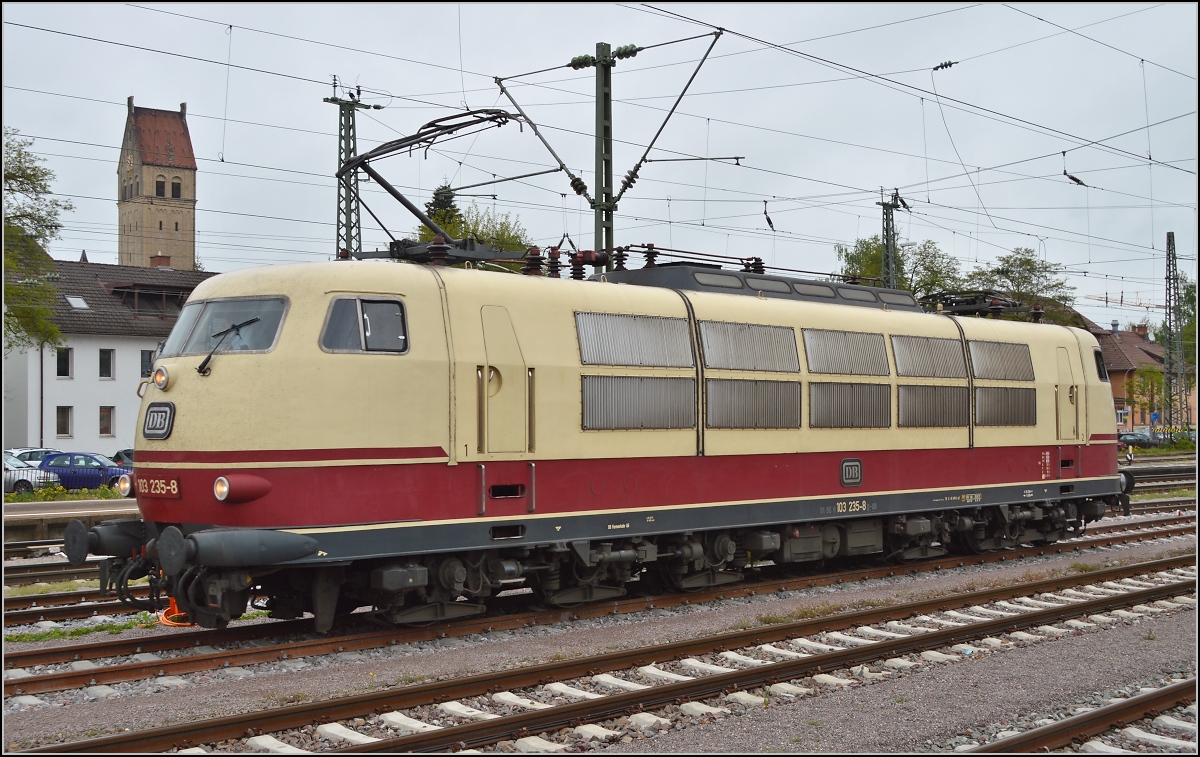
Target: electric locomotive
pixel 326 436
pixel 417 438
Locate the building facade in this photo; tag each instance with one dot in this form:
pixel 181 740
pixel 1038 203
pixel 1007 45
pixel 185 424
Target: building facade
pixel 81 396
pixel 156 190
pixel 1126 353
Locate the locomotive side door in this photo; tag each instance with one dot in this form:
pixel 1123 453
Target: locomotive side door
pixel 502 384
pixel 1067 397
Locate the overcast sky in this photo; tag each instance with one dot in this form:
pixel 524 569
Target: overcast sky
pixel 847 108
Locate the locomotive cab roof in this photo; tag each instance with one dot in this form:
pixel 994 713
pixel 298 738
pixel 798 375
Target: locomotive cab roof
pixel 703 277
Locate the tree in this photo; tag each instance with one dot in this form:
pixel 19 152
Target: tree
pixel 442 211
pixel 932 271
pixel 31 220
pixel 1144 390
pixel 864 262
pixel 499 230
pixel 1023 276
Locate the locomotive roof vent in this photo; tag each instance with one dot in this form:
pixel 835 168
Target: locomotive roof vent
pixel 707 277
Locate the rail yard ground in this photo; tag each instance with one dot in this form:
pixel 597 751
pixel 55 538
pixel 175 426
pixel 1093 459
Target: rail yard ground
pixel 936 709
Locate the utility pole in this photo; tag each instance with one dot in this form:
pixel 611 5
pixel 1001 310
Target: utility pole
pixel 1175 361
pixel 891 278
pixel 349 226
pixel 604 150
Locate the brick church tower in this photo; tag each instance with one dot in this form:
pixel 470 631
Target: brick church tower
pixel 156 187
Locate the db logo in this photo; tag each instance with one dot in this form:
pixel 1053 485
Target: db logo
pixel 160 417
pixel 851 472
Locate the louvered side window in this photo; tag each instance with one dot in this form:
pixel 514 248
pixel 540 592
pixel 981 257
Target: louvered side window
pixel 849 405
pixel 734 403
pixel 1005 406
pixel 749 347
pixel 638 402
pixel 641 340
pixel 1003 361
pixel 930 357
pixel 848 352
pixel 934 406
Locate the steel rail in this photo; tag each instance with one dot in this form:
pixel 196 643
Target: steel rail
pixel 293 716
pixel 490 731
pixel 1095 722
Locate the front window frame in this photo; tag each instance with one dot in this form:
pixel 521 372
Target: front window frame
pixel 202 304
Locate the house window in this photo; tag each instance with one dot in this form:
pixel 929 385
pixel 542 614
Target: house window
pixel 63 420
pixel 147 363
pixel 177 226
pixel 106 363
pixel 160 188
pixel 176 189
pixel 106 420
pixel 65 362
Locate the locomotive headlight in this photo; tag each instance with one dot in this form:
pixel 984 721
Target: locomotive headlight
pixel 162 379
pixel 221 488
pixel 124 485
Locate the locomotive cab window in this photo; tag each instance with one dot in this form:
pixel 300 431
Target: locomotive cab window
pixel 236 325
pixel 1101 369
pixel 359 325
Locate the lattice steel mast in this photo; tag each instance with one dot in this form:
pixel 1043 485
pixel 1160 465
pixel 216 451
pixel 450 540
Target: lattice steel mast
pixel 349 224
pixel 1175 383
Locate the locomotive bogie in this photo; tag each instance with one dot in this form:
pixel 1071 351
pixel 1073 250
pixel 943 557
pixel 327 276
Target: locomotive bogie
pixel 420 439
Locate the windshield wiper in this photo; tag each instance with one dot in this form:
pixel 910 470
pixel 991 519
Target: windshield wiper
pixel 202 369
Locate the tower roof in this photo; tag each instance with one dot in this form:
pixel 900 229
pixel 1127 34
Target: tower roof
pixel 161 136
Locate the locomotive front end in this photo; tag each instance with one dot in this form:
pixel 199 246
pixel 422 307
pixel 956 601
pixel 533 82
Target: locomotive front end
pixel 258 422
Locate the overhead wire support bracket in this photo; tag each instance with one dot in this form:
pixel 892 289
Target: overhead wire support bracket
pixel 455 190
pixel 735 158
pixel 444 249
pixel 632 176
pixel 576 183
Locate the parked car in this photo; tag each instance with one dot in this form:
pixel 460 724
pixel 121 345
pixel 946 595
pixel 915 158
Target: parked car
pixel 1138 440
pixel 32 454
pixel 84 470
pixel 21 477
pixel 124 457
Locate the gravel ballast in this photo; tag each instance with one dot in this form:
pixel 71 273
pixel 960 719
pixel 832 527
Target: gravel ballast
pixel 864 718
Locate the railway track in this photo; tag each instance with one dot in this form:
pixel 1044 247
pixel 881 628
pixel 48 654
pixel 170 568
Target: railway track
pixel 74 605
pixel 195 651
pixel 1102 720
pixel 651 685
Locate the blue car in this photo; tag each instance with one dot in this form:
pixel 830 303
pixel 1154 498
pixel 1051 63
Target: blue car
pixel 84 470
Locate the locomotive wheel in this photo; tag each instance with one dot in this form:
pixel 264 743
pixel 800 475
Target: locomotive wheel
pixel 965 542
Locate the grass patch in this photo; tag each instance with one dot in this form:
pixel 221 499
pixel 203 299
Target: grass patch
pixel 296 698
pixel 59 494
pixel 62 586
pixel 801 613
pixel 144 619
pixel 1085 567
pixel 1181 492
pixel 412 679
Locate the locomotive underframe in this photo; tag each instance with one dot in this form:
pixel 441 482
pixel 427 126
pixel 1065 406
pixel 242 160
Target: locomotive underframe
pixel 595 556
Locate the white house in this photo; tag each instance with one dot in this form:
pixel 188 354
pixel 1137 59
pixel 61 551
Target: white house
pixel 82 396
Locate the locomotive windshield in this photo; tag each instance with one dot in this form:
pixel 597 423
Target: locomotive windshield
pixel 201 326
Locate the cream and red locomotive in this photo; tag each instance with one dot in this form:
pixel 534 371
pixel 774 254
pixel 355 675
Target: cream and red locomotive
pixel 326 436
